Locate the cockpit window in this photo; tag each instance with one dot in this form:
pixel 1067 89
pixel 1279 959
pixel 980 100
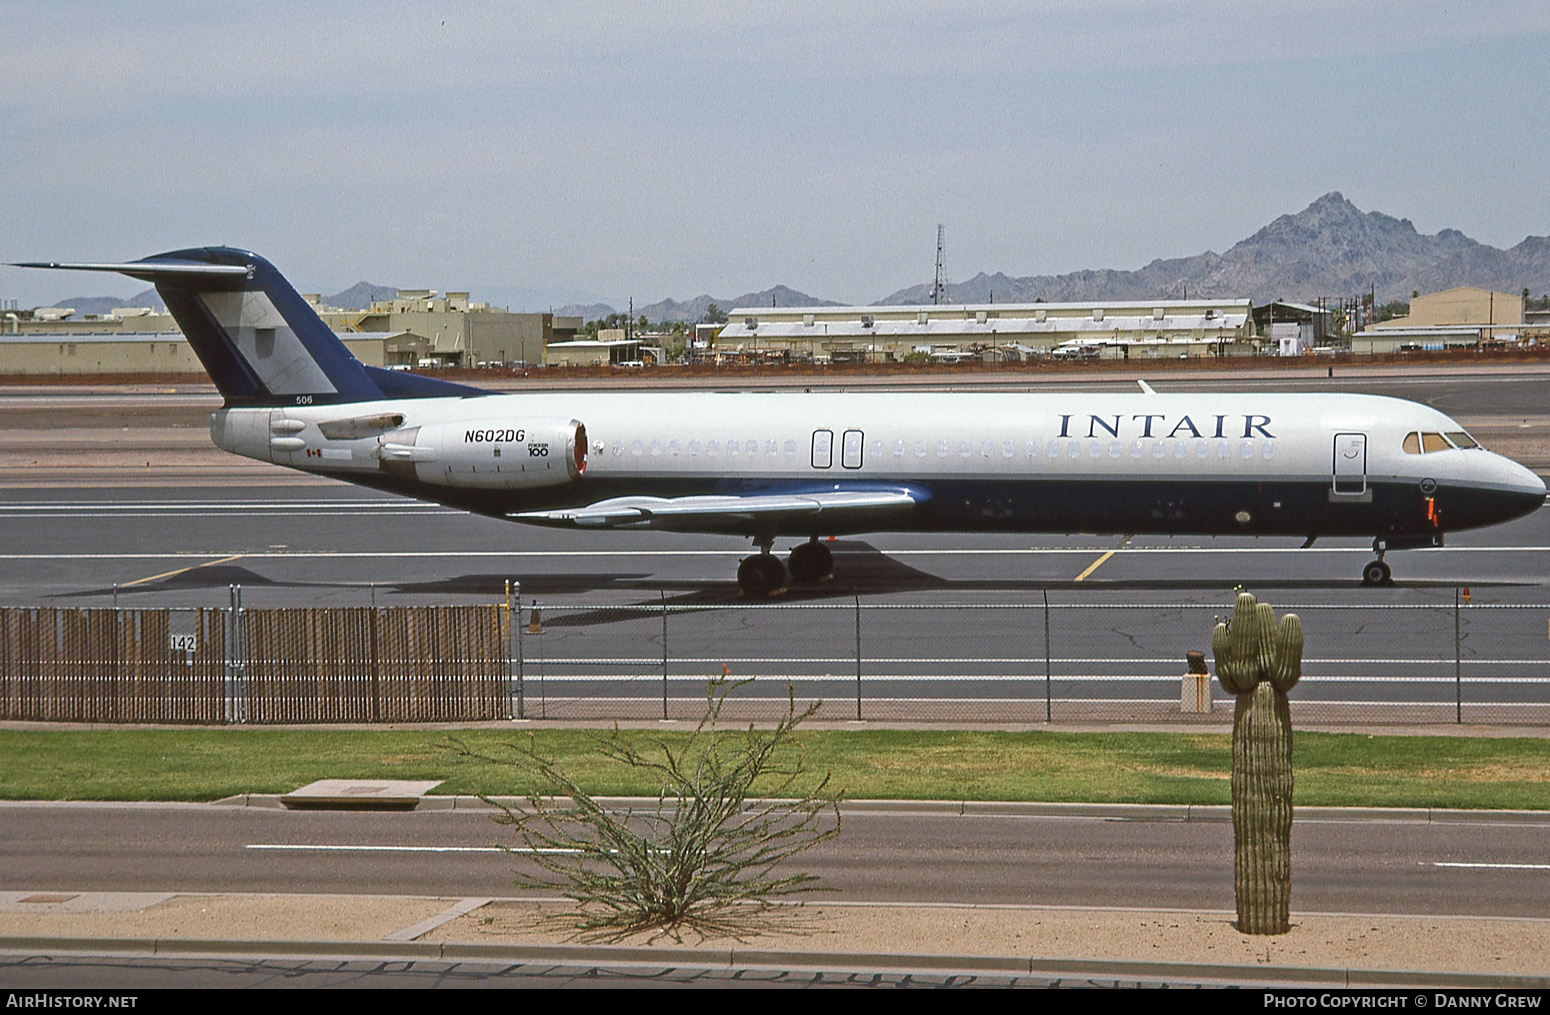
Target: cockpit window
pixel 1412 444
pixel 1433 442
pixel 1463 440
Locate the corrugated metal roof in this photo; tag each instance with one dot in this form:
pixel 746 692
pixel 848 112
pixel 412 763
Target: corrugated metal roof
pixel 992 329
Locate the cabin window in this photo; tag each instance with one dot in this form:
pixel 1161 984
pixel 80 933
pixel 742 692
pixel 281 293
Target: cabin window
pixel 941 449
pixel 1461 439
pixel 1202 449
pixel 1224 450
pixel 1094 450
pixel 898 449
pixel 693 448
pixel 637 448
pixel 877 448
pixel 1008 449
pixel 752 448
pixel 791 447
pixel 1053 449
pixel 712 448
pixel 1136 449
pixel 1270 449
pixel 1412 444
pixel 618 450
pixel 987 449
pixel 965 449
pixel 920 449
pixel 1246 449
pixel 1159 449
pixel 674 447
pixel 656 449
pixel 1433 442
pixel 1075 451
pixel 1180 449
pixel 1115 447
pixel 772 447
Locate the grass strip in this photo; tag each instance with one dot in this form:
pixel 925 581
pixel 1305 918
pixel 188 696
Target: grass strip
pixel 1333 769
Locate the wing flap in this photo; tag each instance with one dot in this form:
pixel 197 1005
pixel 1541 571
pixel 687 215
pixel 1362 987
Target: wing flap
pixel 719 512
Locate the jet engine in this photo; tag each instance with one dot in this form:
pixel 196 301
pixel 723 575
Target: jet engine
pixel 492 454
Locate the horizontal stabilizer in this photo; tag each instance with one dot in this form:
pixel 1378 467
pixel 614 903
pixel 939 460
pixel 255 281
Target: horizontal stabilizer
pixel 150 271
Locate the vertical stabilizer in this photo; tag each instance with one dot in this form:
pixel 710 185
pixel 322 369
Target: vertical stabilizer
pixel 260 342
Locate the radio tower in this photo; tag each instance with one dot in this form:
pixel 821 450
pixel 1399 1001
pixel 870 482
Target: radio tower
pixel 939 288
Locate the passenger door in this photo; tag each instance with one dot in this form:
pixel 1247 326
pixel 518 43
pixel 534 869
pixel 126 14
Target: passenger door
pixel 1350 468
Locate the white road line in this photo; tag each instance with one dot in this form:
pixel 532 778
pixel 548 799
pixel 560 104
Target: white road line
pixel 1498 866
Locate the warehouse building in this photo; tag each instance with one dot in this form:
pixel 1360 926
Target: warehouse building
pixel 1464 317
pixel 1151 329
pixel 123 352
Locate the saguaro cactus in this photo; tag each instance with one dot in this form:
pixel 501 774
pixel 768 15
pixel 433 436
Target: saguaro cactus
pixel 1258 662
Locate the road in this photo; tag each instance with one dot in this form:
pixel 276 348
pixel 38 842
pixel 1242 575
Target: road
pixel 1477 868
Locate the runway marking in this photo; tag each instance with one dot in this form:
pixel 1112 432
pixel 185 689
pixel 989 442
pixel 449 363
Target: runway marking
pixel 1095 565
pixel 1499 866
pixel 181 570
pixel 398 849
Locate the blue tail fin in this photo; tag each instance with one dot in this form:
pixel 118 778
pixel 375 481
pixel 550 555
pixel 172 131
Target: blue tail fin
pixel 260 342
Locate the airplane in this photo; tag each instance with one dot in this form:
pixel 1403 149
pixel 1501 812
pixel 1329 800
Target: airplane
pixel 771 465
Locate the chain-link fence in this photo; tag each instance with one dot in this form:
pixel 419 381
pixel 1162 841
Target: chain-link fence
pixel 1054 659
pixel 1425 657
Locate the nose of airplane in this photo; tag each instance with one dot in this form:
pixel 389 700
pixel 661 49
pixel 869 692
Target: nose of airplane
pixel 1524 492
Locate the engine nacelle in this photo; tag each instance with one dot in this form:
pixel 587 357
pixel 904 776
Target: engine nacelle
pixel 489 453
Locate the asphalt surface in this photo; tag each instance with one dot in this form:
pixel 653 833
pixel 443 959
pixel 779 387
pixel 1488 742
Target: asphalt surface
pixel 1486 866
pixel 950 618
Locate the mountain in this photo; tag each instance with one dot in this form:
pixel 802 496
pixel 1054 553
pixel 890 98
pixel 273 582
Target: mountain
pixel 1330 248
pixel 359 296
pixel 670 310
pixel 585 311
pixel 100 305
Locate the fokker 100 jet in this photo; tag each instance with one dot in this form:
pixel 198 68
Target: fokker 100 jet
pixel 805 465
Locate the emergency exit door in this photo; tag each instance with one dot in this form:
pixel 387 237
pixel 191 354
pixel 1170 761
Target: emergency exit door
pixel 850 450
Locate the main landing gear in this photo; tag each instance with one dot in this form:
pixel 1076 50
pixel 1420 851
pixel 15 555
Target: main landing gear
pixel 1377 572
pixel 764 574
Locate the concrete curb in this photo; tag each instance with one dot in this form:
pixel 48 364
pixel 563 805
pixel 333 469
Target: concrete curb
pixel 624 955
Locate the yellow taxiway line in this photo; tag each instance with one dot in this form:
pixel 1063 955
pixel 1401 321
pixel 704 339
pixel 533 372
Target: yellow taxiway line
pixel 195 567
pixel 1095 565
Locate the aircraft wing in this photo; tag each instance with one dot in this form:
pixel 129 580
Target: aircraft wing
pixel 722 513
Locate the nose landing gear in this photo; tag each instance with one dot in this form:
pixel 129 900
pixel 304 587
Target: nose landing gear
pixel 1377 572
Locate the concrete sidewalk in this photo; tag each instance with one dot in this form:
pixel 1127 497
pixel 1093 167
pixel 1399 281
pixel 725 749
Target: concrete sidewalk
pixel 1322 949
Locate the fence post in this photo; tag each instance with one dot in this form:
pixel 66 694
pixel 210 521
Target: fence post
pixel 239 651
pixel 1047 704
pixel 230 698
pixel 514 641
pixel 376 663
pixel 543 686
pixel 663 593
pixel 858 658
pixel 1458 663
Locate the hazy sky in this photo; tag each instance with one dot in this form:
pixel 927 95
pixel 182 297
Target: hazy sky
pixel 669 149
